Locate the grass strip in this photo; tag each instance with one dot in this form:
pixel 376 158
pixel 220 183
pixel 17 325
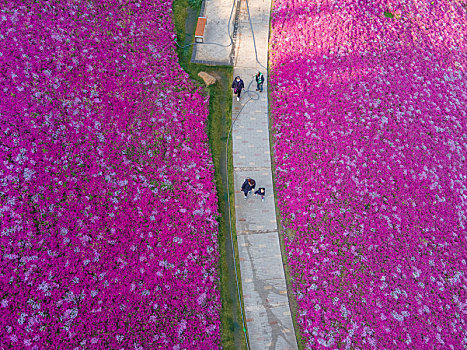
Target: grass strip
pixel 219 120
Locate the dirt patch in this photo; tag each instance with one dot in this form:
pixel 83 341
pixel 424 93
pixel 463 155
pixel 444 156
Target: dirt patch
pixel 216 75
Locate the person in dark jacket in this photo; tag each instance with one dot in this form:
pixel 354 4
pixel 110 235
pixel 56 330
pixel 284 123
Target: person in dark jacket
pixel 261 191
pixel 237 87
pixel 247 186
pixel 259 82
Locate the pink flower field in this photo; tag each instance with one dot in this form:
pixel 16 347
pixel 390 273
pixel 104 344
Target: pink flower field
pixel 107 202
pixel 369 115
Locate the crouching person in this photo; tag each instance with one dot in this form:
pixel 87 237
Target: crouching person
pixel 247 186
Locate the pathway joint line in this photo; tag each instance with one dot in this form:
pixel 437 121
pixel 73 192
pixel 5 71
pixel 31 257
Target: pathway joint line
pixel 251 168
pixel 256 232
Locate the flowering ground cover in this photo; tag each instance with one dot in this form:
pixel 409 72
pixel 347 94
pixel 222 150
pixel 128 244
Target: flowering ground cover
pixel 369 117
pixel 108 208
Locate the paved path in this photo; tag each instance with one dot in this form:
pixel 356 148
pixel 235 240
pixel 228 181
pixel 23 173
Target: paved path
pixel 217 48
pixel 267 310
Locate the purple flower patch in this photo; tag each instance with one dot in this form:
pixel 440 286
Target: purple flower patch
pixel 108 207
pixel 369 117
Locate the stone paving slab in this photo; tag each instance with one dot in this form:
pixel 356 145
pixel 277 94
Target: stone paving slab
pixel 275 286
pixel 246 43
pixel 259 11
pixel 265 292
pixel 253 214
pixel 252 118
pixel 247 157
pixel 265 270
pixel 264 288
pixel 281 336
pixel 253 107
pixel 251 152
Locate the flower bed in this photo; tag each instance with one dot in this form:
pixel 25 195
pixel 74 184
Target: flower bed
pixel 108 207
pixel 370 124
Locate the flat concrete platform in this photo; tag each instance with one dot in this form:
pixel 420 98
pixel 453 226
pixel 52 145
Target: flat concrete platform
pixel 217 47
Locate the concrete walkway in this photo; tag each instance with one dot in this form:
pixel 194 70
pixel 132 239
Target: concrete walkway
pixel 217 48
pixel 267 310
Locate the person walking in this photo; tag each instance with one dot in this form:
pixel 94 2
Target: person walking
pixel 247 186
pixel 261 192
pixel 259 81
pixel 237 87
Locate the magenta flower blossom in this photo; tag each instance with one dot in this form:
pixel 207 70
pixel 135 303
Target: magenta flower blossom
pixel 368 101
pixel 108 226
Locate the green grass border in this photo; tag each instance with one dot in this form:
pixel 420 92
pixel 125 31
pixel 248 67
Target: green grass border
pixel 218 124
pixel 235 242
